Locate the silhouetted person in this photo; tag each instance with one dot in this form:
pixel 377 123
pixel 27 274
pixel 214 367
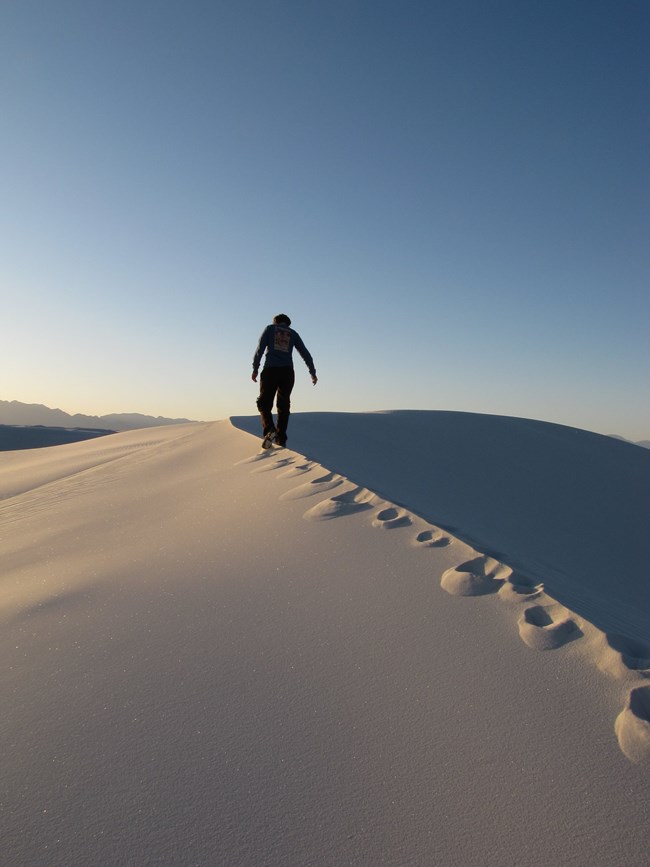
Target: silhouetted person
pixel 278 341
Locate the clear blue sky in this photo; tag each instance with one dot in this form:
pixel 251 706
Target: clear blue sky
pixel 449 198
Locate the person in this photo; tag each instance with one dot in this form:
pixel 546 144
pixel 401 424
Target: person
pixel 277 343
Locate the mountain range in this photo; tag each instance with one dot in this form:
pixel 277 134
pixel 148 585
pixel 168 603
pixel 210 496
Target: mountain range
pixel 13 412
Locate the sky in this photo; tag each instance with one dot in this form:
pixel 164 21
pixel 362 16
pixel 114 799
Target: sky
pixel 449 198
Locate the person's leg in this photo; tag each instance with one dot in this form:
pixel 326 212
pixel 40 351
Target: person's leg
pixel 285 385
pixel 268 388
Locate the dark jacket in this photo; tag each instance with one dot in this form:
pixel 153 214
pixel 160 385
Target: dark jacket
pixel 279 341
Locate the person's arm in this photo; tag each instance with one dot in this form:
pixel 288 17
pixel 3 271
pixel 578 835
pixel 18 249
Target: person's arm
pixel 259 352
pixel 306 356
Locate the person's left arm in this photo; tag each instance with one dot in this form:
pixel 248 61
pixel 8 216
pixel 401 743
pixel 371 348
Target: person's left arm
pixel 306 356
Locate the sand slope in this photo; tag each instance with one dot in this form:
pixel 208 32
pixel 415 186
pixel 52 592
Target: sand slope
pixel 218 656
pixel 569 507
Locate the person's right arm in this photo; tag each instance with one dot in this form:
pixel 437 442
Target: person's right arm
pixel 259 352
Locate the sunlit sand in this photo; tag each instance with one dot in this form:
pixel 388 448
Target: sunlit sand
pixel 410 638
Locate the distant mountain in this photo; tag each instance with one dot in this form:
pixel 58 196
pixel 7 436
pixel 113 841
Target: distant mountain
pixel 645 444
pixel 15 412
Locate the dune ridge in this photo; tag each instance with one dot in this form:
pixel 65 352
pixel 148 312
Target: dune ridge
pixel 564 506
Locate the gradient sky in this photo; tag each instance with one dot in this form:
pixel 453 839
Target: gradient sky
pixel 449 198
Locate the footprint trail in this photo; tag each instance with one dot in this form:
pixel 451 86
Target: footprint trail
pixel 543 623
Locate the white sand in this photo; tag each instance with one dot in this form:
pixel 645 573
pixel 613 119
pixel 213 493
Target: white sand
pixel 217 656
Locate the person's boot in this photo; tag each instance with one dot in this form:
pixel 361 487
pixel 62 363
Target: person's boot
pixel 269 437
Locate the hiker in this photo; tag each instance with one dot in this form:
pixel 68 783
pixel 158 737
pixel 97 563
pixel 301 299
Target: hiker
pixel 278 341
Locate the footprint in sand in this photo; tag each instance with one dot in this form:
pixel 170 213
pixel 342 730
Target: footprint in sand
pixel 315 486
pixel 620 656
pixel 348 503
pixel 433 538
pixel 540 630
pixel 298 470
pixel 390 518
pixel 262 456
pixel 476 577
pixel 272 465
pixel 632 725
pixel 518 588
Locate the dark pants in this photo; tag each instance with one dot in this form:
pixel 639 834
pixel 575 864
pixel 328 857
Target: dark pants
pixel 275 381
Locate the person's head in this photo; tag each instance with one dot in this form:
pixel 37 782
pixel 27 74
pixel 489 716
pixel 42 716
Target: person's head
pixel 281 319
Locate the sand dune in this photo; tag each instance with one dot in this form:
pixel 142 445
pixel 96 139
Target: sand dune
pixel 419 638
pixel 566 506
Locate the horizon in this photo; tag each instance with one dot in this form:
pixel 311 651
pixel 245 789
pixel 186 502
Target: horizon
pixel 611 434
pixel 449 201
